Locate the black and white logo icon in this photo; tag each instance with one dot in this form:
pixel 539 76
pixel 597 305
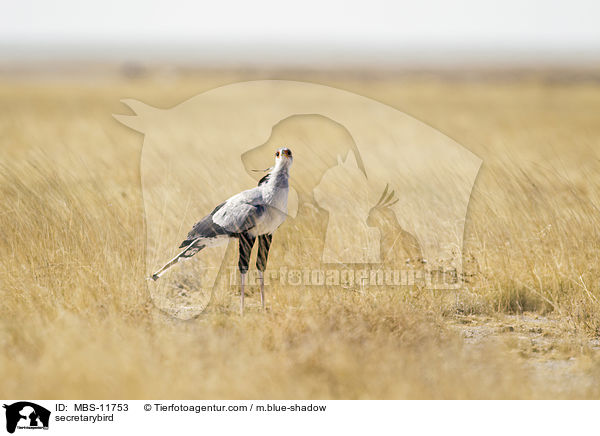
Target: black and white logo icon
pixel 26 415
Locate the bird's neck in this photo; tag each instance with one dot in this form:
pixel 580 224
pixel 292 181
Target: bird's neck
pixel 276 189
pixel 279 178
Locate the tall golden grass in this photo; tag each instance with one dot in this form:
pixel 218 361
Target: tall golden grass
pixel 77 320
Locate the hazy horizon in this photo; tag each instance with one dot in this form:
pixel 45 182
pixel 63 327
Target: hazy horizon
pixel 311 33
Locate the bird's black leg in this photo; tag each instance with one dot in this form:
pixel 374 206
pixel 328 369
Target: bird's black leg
pixel 264 243
pixel 246 242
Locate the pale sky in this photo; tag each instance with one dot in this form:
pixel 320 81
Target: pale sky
pixel 302 30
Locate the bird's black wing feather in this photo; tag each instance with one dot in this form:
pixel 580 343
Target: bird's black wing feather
pixel 265 179
pixel 205 228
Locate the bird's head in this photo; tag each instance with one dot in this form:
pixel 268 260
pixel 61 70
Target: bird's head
pixel 283 158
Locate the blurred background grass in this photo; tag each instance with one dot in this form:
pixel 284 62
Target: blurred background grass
pixel 77 321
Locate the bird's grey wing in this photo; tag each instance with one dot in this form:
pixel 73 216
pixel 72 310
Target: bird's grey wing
pixel 239 217
pixel 205 228
pixel 241 212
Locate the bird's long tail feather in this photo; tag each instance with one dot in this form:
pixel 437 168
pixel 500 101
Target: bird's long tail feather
pixel 188 251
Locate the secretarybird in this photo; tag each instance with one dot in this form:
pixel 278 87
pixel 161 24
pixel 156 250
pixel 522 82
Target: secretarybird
pixel 251 214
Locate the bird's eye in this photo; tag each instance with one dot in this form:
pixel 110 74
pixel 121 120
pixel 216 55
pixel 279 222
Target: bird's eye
pixel 277 154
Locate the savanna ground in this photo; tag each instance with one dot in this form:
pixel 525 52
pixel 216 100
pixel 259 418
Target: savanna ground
pixel 77 320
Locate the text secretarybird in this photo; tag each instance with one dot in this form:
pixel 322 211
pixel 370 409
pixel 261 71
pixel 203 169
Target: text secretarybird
pixel 251 214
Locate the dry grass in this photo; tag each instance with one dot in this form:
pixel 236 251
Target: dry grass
pixel 77 321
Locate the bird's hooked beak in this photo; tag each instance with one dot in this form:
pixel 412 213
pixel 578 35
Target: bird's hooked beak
pixel 284 155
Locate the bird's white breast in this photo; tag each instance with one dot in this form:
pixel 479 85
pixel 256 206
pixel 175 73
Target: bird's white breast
pixel 275 213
